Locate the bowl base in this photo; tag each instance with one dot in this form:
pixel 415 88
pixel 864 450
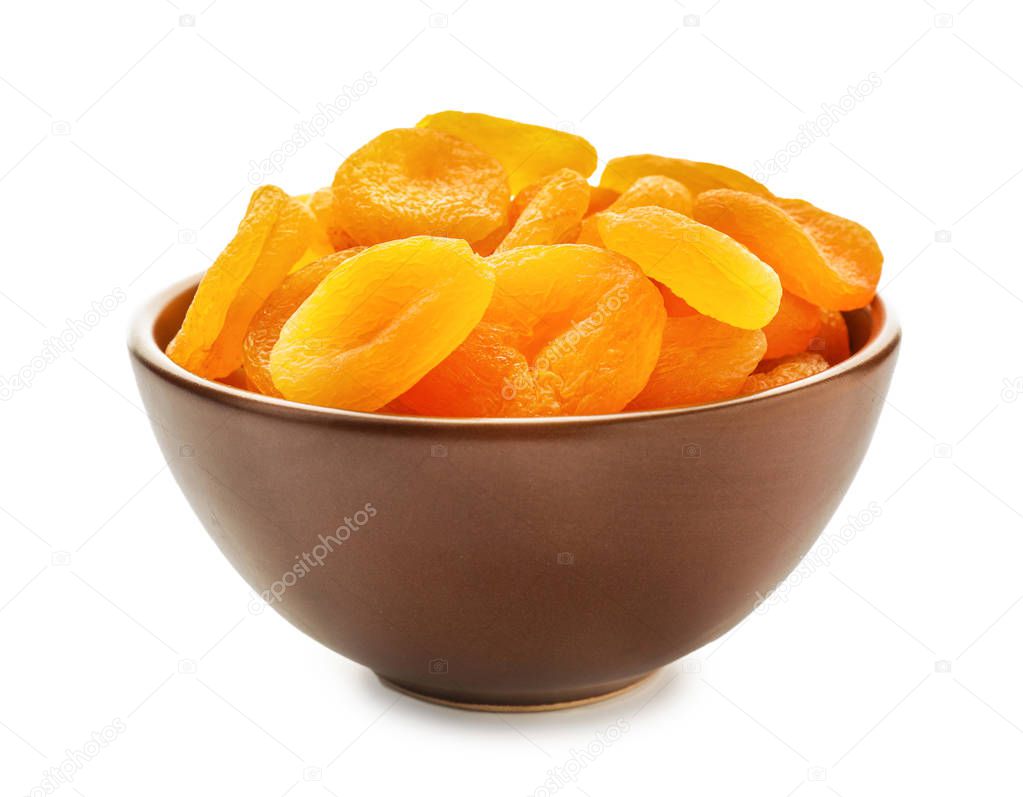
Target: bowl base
pixel 516 708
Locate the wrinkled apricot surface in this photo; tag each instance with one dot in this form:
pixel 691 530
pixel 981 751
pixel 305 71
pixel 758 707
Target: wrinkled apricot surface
pixel 324 205
pixel 571 330
pixel 701 360
pixel 273 235
pixel 783 371
pixel 710 271
pixel 553 212
pixel 698 177
pixel 279 306
pixel 377 324
pixel 420 181
pixel 820 257
pixel 527 152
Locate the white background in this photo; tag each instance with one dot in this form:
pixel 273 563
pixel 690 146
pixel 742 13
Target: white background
pixel 127 133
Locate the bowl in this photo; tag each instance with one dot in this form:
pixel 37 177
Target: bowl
pixel 513 564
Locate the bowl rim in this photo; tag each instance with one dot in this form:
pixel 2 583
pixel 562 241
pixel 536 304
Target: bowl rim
pixel 884 337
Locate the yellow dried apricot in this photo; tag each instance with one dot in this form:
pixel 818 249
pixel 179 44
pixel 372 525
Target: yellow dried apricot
pixel 323 203
pixel 793 328
pixel 832 340
pixel 552 214
pixel 375 326
pixel 820 257
pixel 711 272
pixel 272 236
pixel 571 330
pixel 420 181
pixel 527 152
pixel 783 371
pixel 698 177
pixel 600 199
pixel 652 191
pixel 276 310
pixel 701 360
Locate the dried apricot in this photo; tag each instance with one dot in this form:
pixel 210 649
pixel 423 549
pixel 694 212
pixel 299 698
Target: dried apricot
pixel 552 214
pixel 701 360
pixel 374 327
pixel 600 199
pixel 527 152
pixel 676 306
pixel 783 371
pixel 571 330
pixel 420 181
pixel 698 177
pixel 272 236
pixel 793 329
pixel 652 191
pixel 276 310
pixel 324 205
pixel 832 340
pixel 820 257
pixel 713 273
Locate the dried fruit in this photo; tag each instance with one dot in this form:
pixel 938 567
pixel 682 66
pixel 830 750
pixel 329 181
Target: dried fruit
pixel 701 360
pixel 698 177
pixel 324 205
pixel 527 152
pixel 420 181
pixel 377 325
pixel 600 199
pixel 793 328
pixel 676 306
pixel 552 214
pixel 276 310
pixel 783 371
pixel 571 330
pixel 820 257
pixel 832 339
pixel 652 191
pixel 273 235
pixel 714 274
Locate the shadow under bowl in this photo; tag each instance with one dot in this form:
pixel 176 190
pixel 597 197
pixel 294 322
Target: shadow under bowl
pixel 514 563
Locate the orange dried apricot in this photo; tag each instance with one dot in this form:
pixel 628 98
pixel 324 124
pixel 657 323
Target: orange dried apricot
pixel 571 330
pixel 272 236
pixel 711 272
pixel 820 257
pixel 698 177
pixel 276 310
pixel 374 327
pixel 552 214
pixel 783 371
pixel 676 306
pixel 527 152
pixel 793 329
pixel 420 181
pixel 652 191
pixel 832 340
pixel 701 360
pixel 600 199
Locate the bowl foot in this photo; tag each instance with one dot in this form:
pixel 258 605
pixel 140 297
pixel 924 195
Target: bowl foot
pixel 516 707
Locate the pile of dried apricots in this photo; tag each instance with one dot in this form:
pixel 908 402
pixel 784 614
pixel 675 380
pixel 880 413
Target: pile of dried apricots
pixel 466 268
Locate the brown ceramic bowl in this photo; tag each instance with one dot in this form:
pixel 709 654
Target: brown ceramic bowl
pixel 517 562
